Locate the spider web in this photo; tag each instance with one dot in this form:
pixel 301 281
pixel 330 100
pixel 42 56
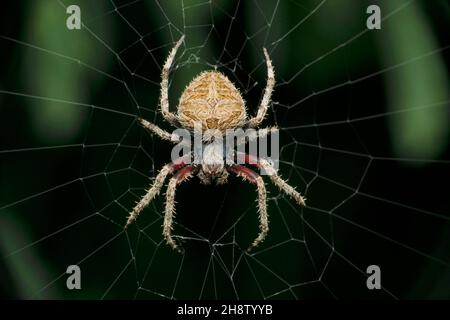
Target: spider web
pixel 70 177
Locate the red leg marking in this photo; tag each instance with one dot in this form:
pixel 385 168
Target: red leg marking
pixel 245 172
pixel 179 163
pixel 184 173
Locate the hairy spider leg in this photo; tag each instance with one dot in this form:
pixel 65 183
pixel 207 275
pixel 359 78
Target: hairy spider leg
pixel 252 177
pixel 154 190
pixel 164 98
pixel 272 173
pixel 182 175
pixel 265 102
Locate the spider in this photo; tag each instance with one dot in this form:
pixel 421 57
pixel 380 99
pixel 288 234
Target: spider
pixel 213 101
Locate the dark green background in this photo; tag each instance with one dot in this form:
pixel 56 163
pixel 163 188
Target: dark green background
pixel 365 134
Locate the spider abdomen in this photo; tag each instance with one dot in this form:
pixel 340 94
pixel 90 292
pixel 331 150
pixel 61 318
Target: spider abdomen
pixel 212 100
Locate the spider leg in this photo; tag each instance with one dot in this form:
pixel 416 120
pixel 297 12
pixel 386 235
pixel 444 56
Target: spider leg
pixel 261 133
pixel 251 176
pixel 155 188
pixel 160 132
pixel 262 109
pixel 288 189
pixel 164 99
pixel 179 177
pixel 276 179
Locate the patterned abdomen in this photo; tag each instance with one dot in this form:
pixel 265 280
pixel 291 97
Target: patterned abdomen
pixel 213 100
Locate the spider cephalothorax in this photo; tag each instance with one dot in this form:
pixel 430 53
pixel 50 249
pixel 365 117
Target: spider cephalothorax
pixel 213 103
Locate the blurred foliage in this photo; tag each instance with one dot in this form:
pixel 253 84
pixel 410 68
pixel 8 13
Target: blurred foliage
pixel 28 271
pixel 419 91
pixel 52 121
